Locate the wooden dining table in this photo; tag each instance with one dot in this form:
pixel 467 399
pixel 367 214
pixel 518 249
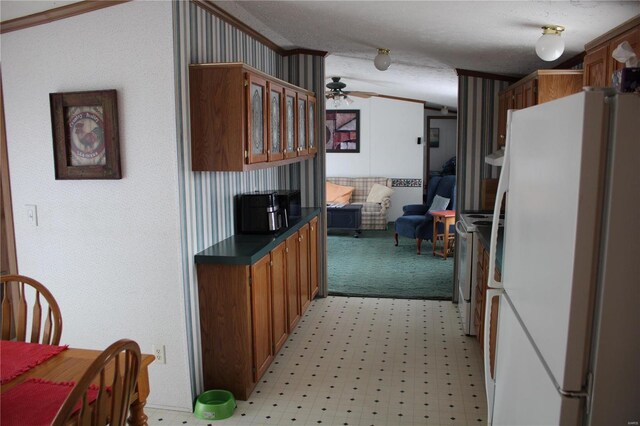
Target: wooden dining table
pixel 69 366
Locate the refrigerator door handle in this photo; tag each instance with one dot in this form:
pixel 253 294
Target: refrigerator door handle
pixel 489 381
pixel 503 187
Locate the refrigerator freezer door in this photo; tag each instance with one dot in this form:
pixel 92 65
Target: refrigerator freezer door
pixel 551 226
pixel 524 392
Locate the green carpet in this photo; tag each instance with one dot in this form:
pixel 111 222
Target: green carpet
pixel 372 266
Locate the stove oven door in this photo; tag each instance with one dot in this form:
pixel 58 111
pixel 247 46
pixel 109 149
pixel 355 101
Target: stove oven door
pixel 464 277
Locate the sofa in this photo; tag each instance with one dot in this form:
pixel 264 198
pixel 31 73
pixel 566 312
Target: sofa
pixel 416 222
pixel 374 215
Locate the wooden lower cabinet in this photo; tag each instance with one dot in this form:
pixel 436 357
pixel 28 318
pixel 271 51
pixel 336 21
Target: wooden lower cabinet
pixel 482 276
pixel 313 257
pixel 303 268
pixel 279 322
pixel 293 287
pixel 261 316
pixel 248 311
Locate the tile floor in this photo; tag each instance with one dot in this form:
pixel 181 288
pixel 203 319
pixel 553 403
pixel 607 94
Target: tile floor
pixel 362 361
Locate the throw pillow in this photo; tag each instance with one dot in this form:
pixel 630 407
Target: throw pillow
pixel 438 204
pixel 338 194
pixel 378 193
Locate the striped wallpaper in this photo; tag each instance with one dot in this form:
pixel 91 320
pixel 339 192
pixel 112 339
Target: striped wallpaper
pixel 206 198
pixel 477 136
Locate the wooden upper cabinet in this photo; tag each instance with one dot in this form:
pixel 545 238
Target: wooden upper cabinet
pixel 518 96
pixel 595 67
pixel 536 88
pixel 633 38
pixel 276 123
pixel 243 119
pixel 312 137
pixel 529 93
pixel 599 65
pixel 257 118
pixel 290 118
pixel 502 118
pixel 302 117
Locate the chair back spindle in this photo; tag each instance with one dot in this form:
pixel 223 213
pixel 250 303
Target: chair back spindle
pixel 115 373
pixel 19 293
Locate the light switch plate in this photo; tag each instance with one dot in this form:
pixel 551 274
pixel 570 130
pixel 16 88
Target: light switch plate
pixel 32 214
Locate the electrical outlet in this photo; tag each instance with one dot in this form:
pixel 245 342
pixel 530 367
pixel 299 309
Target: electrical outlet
pixel 159 353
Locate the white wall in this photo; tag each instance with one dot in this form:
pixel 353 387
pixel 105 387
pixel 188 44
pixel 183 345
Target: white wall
pixel 108 250
pixel 447 148
pixel 389 130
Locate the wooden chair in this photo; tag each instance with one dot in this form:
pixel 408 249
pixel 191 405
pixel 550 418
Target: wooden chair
pixel 115 373
pixel 16 300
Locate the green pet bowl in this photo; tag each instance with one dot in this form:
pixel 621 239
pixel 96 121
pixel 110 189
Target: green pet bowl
pixel 215 405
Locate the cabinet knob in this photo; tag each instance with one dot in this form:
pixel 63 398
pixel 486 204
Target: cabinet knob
pixel 312 228
pixel 286 250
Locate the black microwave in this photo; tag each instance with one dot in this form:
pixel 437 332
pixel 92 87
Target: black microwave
pixel 289 202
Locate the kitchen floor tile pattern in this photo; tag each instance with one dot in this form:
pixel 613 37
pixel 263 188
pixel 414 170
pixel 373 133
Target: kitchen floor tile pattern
pixel 364 361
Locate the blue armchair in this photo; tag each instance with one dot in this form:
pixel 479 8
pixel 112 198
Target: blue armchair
pixel 416 222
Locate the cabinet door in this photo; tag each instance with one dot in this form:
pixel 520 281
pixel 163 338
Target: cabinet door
pixel 518 97
pixel 278 297
pixel 275 140
pixel 293 287
pixel 261 316
pixel 633 38
pixel 595 68
pixel 303 148
pixel 530 89
pixel 313 141
pixel 313 256
pixel 502 119
pixel 290 116
pixel 303 269
pixel 256 119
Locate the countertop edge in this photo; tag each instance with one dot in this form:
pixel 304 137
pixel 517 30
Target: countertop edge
pixel 203 257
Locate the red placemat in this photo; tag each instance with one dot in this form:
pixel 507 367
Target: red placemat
pixel 35 402
pixel 19 357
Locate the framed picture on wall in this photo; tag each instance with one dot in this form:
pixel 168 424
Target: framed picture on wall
pixel 85 135
pixel 434 137
pixel 343 130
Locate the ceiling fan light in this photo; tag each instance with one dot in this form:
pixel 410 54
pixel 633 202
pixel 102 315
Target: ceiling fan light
pixel 348 100
pixel 550 45
pixel 382 60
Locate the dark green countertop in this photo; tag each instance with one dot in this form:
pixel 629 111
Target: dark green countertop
pixel 484 233
pixel 247 249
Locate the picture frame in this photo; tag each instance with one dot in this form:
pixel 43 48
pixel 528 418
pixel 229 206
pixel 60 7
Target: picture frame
pixel 434 137
pixel 343 130
pixel 85 130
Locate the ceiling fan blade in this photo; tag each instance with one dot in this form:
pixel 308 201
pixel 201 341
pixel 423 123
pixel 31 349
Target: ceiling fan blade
pixel 362 94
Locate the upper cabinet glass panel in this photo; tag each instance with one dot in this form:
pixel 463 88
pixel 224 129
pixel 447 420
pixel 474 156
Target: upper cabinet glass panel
pixel 302 124
pixel 257 113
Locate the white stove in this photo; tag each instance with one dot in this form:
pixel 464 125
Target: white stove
pixel 467 228
pixel 472 220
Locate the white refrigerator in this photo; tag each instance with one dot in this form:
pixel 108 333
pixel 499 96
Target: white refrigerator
pixel 567 344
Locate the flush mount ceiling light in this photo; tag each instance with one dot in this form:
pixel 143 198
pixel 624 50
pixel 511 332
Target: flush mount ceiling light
pixel 382 59
pixel 444 110
pixel 550 45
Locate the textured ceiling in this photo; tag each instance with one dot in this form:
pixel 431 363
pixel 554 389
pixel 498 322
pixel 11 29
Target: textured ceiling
pixel 428 39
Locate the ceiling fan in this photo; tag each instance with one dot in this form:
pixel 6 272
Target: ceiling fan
pixel 337 93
